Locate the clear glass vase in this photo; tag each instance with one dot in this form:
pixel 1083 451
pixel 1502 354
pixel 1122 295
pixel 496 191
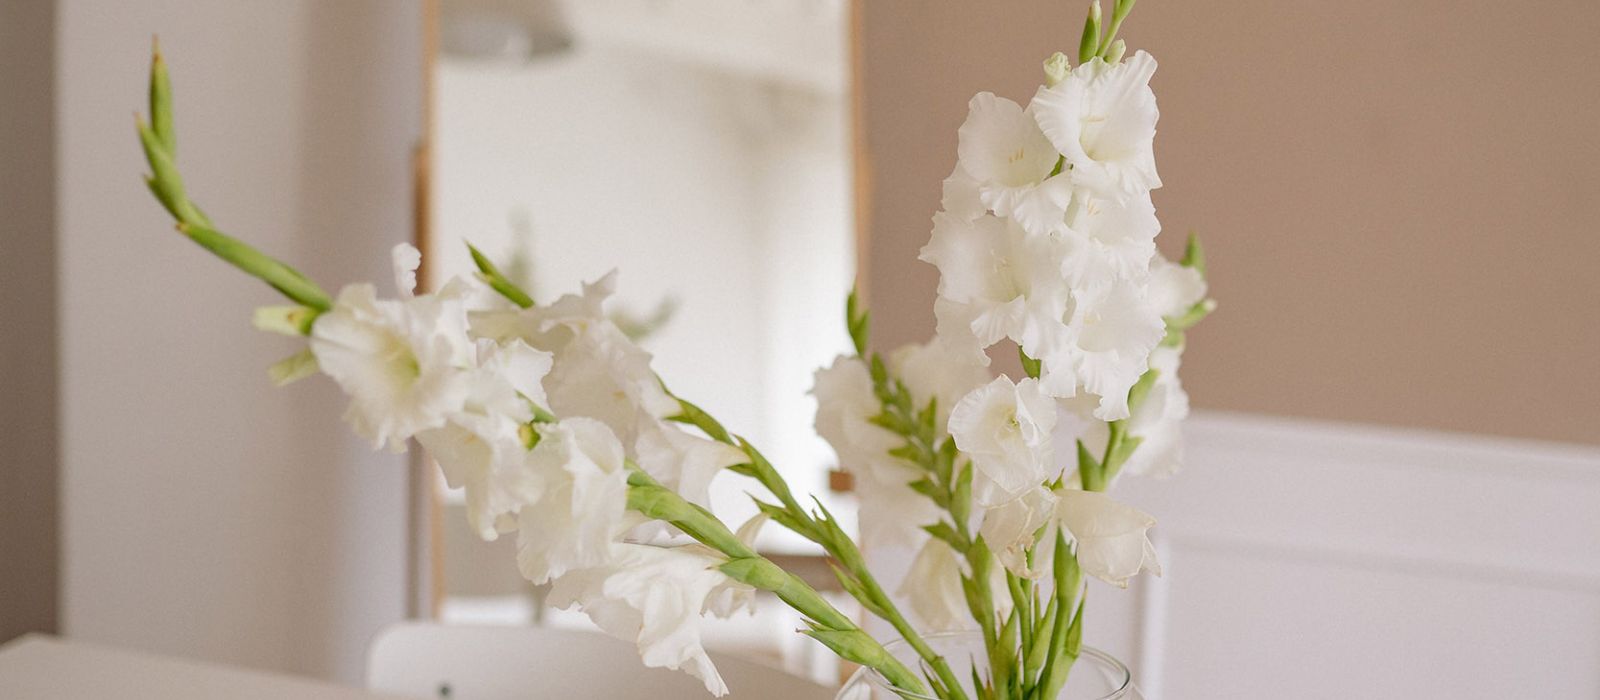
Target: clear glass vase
pixel 1095 676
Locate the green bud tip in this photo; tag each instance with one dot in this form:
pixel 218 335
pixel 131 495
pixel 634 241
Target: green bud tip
pixel 1089 45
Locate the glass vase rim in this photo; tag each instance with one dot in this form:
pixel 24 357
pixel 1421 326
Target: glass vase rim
pixel 1123 681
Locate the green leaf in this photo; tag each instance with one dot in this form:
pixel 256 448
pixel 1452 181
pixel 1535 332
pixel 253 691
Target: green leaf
pixel 497 281
pixel 1192 317
pixel 880 373
pixel 928 418
pixel 1193 255
pixel 293 368
pixel 857 322
pixel 853 586
pixel 1141 389
pixel 890 422
pixel 929 489
pixel 943 532
pixel 1088 469
pixel 1031 366
pixel 1124 451
pixel 909 452
pixel 691 414
pixel 961 496
pixel 785 518
pixel 1034 661
pixel 1075 632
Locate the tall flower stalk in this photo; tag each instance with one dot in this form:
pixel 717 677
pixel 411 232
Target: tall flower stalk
pixel 552 421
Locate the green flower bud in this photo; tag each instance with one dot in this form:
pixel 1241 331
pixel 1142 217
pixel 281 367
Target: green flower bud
pixel 1114 54
pixel 293 368
pixel 1056 68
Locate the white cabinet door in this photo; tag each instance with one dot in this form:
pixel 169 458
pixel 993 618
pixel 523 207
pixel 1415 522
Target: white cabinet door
pixel 1310 560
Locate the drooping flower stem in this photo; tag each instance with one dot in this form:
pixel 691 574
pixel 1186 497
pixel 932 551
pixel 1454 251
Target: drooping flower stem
pixel 827 624
pixel 159 140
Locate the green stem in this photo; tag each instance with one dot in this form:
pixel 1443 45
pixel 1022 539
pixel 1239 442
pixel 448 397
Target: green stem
pixel 829 626
pixel 159 141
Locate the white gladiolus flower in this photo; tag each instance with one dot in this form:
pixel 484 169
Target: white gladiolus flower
pixel 937 371
pixel 682 462
pixel 1103 119
pixel 960 197
pixel 1113 332
pixel 732 596
pixel 405 259
pixel 1113 542
pixel 1003 150
pixel 1109 240
pixel 932 371
pixel 1005 429
pixel 1158 422
pixel 845 403
pixel 1009 528
pixel 480 449
pixel 402 362
pixel 599 372
pixel 653 596
pixel 932 587
pixel 583 506
pixel 1006 283
pixel 483 455
pixel 1174 289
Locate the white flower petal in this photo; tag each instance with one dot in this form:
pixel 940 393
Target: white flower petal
pixel 1112 539
pixel 1005 429
pixel 403 363
pixel 1103 119
pixel 652 596
pixel 1174 289
pixel 406 259
pixel 1010 526
pixel 584 505
pixel 932 587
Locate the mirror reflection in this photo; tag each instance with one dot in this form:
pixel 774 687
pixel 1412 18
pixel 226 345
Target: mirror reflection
pixel 702 150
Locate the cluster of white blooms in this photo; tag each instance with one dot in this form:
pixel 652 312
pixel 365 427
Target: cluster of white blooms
pixel 477 382
pixel 551 421
pixel 1047 239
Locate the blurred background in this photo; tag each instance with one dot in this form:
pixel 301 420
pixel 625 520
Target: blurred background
pixel 1395 462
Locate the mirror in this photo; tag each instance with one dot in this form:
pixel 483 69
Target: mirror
pixel 702 149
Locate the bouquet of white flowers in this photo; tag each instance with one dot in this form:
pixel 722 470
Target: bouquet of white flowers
pixel 552 421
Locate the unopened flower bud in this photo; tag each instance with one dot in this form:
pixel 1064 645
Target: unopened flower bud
pixel 1114 54
pixel 1056 68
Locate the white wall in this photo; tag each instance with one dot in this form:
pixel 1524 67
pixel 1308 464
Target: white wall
pixel 204 512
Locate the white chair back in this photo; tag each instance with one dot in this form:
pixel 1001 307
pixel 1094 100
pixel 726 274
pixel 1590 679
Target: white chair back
pixel 461 662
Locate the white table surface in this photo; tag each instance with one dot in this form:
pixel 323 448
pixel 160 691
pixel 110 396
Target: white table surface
pixel 39 667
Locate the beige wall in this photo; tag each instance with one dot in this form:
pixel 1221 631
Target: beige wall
pixel 28 570
pixel 205 513
pixel 1398 199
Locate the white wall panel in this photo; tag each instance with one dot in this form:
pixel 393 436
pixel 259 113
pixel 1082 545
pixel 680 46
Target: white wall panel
pixel 1315 560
